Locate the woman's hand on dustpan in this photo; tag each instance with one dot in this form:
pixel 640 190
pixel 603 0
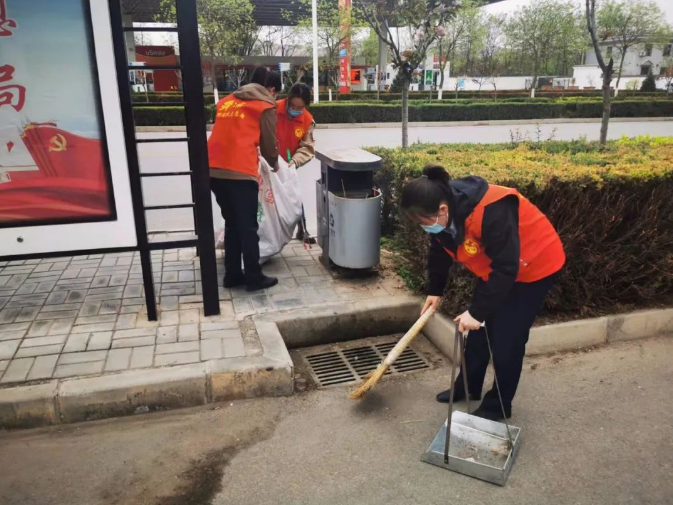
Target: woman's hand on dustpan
pixel 431 302
pixel 466 322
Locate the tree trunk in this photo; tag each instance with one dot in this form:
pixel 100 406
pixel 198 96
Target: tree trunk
pixel 607 105
pixel 405 112
pixel 621 65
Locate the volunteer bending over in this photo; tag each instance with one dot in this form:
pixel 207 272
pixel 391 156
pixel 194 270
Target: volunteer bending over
pixel 245 121
pixel 295 133
pixel 516 254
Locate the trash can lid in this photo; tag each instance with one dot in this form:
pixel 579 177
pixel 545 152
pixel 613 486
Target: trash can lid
pixel 350 160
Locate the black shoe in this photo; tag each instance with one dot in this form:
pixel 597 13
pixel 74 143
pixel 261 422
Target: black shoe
pixel 307 239
pixel 232 281
pixel 491 415
pixel 263 282
pixel 458 396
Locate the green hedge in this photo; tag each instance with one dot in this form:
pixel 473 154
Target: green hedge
pixel 612 207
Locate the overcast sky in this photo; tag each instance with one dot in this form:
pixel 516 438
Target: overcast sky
pixel 510 5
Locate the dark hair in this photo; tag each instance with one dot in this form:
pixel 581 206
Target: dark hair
pixel 259 76
pixel 423 196
pixel 273 80
pixel 299 90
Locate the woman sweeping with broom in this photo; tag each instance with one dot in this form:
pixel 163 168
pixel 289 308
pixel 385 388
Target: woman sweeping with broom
pixel 516 254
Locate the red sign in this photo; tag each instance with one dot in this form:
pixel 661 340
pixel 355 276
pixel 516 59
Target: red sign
pixel 164 80
pixel 345 47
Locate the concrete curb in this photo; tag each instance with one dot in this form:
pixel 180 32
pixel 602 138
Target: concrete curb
pixel 272 374
pixel 436 124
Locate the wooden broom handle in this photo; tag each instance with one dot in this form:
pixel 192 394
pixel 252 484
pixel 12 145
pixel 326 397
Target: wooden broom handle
pixel 408 337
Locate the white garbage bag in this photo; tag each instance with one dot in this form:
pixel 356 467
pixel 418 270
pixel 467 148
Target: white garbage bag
pixel 278 208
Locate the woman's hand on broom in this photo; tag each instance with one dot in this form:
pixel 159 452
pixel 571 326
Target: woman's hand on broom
pixel 431 302
pixel 466 322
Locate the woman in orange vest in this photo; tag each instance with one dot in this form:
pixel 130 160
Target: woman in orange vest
pixel 295 134
pixel 511 247
pixel 245 124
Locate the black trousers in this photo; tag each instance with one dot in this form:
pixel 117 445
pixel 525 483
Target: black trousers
pixel 508 331
pixel 238 203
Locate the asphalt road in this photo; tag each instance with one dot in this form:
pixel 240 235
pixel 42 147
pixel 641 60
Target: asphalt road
pixel 596 430
pixel 173 156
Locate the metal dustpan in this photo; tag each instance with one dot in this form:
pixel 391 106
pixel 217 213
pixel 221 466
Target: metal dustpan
pixel 476 447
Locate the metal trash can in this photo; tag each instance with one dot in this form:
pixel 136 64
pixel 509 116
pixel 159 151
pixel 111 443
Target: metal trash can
pixel 349 208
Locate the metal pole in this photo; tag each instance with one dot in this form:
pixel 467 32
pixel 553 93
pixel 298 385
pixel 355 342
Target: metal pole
pixel 314 15
pixel 190 57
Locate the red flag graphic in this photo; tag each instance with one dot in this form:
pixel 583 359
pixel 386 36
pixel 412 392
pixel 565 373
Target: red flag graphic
pixel 10 145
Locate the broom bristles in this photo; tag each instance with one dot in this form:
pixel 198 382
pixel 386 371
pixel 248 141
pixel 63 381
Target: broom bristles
pixel 370 381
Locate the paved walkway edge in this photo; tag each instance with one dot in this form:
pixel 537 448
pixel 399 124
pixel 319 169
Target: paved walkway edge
pixel 438 124
pixel 272 374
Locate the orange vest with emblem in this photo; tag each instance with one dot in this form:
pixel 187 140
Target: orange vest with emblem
pixel 290 130
pixel 234 140
pixel 541 250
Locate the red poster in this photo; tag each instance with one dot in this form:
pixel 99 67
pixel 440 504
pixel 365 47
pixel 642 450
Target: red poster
pixel 54 166
pixel 345 47
pixel 164 80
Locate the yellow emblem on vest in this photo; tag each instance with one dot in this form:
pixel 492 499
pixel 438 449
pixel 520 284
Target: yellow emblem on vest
pixel 298 132
pixel 471 247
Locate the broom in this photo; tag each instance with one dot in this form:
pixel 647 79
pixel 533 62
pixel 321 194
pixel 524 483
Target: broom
pixel 375 375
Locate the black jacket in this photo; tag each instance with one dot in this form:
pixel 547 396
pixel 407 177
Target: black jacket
pixel 500 238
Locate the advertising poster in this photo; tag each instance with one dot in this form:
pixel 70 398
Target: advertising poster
pixel 345 47
pixel 163 80
pixel 54 164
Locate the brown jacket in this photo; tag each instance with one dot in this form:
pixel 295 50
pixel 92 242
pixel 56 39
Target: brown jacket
pixel 268 145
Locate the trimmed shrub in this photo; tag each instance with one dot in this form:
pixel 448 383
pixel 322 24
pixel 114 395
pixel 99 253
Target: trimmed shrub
pixel 611 206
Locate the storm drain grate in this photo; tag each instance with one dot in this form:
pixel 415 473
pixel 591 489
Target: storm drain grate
pixel 349 365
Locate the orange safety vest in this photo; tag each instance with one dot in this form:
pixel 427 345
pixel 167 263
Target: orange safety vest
pixel 541 250
pixel 234 140
pixel 290 130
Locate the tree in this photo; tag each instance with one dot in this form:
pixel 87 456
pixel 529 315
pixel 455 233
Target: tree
pixel 369 49
pixel 420 19
pixel 227 29
pixel 277 41
pixel 450 35
pixel 608 69
pixel 628 24
pixel 489 64
pixel 649 84
pixel 667 73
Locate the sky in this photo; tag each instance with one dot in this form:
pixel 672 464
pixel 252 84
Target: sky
pixel 510 5
pixel 50 52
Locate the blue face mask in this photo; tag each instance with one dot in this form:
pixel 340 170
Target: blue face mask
pixel 433 228
pixel 294 113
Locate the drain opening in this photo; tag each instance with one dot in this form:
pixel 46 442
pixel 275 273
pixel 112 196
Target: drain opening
pixel 341 366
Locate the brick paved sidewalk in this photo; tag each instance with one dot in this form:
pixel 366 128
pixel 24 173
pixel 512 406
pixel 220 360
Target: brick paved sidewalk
pixel 80 316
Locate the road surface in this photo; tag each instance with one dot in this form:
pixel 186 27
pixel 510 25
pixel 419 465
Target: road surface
pixel 173 156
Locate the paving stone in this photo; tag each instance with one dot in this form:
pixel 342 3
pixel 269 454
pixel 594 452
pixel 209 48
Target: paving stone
pixel 170 317
pixel 61 327
pixel 56 314
pixel 77 342
pixel 126 321
pixel 26 289
pixel 243 305
pixel 179 291
pixel 77 369
pixel 169 277
pixel 167 334
pixel 169 302
pixel 144 323
pixel 76 295
pixel 133 292
pixel 4 279
pixel 93 327
pixel 260 302
pixel 177 358
pixel 100 340
pixel 177 347
pixel 211 349
pixel 60 265
pixel 90 309
pixel 39 341
pixel 3 365
pixel 133 301
pixel 40 328
pixel 136 332
pixel 130 309
pixel 290 303
pixel 3 301
pixel 118 359
pixel 17 371
pixel 43 368
pixel 27 352
pixel 8 348
pixel 87 272
pixel 189 316
pixel 101 282
pixel 57 298
pixel 110 307
pixel 70 274
pixel 188 332
pixel 234 348
pixel 226 325
pixel 118 280
pixel 45 287
pixel 109 318
pixel 81 357
pixel 9 315
pixel 186 276
pixel 11 335
pixel 132 342
pixel 108 262
pixel 142 357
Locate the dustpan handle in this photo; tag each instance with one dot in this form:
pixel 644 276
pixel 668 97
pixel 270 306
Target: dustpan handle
pixel 497 387
pixel 447 439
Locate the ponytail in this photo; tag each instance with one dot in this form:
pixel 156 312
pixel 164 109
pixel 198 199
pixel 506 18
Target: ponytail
pixel 423 196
